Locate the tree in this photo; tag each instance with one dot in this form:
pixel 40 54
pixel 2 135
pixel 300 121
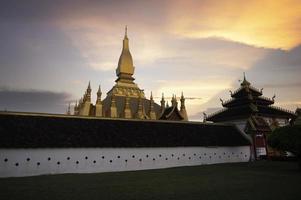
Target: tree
pixel 287 138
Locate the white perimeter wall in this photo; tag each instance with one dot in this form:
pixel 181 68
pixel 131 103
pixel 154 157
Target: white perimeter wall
pixel 29 162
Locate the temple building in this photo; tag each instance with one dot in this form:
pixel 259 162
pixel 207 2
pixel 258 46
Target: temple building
pixel 126 99
pixel 254 114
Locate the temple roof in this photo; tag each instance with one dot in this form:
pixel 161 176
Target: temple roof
pixel 172 113
pixel 245 111
pixel 258 100
pixel 29 130
pixel 247 101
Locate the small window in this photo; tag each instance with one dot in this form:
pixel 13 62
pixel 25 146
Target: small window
pixel 126 160
pixel 68 158
pixel 28 159
pixel 102 157
pixel 118 156
pixel 17 164
pixel 77 162
pixel 94 161
pixel 5 160
pixel 133 156
pixel 58 163
pixel 111 161
pixel 38 163
pixel 86 157
pixel 48 158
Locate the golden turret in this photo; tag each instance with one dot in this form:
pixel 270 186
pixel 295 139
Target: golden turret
pixel 152 114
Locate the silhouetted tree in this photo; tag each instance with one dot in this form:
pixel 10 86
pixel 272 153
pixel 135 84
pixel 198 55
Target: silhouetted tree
pixel 287 138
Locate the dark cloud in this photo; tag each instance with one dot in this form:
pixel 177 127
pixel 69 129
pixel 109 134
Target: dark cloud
pixel 34 101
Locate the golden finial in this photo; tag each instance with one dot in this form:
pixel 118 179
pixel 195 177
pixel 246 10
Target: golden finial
pixel 126 31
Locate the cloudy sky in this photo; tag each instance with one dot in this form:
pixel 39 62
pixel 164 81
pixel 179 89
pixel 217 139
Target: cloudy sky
pixel 50 49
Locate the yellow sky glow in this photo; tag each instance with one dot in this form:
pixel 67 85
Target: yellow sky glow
pixel 267 23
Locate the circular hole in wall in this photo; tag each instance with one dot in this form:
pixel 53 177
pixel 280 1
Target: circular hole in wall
pixel 111 161
pixel 178 158
pixel 68 158
pixel 58 163
pixel 133 156
pixel 38 163
pixel 5 160
pixel 86 157
pixel 160 155
pixel 77 162
pixel 140 160
pixel 17 164
pixel 166 158
pixel 189 158
pixel 118 156
pixel 28 159
pixel 154 159
pixel 102 157
pixel 126 160
pixel 147 156
pixel 94 161
pixel 48 158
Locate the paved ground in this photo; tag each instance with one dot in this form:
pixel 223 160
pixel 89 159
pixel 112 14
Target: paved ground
pixel 257 181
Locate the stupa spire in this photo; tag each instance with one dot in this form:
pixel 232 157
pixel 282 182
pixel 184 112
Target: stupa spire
pixel 125 68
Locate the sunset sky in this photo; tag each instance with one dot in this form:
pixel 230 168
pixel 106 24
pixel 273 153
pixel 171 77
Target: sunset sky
pixel 49 50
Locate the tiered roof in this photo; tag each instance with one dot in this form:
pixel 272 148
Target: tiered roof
pixel 247 101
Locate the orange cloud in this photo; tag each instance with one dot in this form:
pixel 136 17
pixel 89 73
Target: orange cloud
pixel 265 23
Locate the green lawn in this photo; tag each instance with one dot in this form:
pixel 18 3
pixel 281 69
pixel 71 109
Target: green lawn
pixel 256 181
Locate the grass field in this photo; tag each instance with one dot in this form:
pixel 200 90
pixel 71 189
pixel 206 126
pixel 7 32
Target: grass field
pixel 259 180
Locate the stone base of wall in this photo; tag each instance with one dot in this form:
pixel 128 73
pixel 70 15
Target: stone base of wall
pixel 31 162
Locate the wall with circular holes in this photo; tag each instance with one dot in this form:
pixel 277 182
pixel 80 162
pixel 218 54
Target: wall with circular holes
pixel 30 162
